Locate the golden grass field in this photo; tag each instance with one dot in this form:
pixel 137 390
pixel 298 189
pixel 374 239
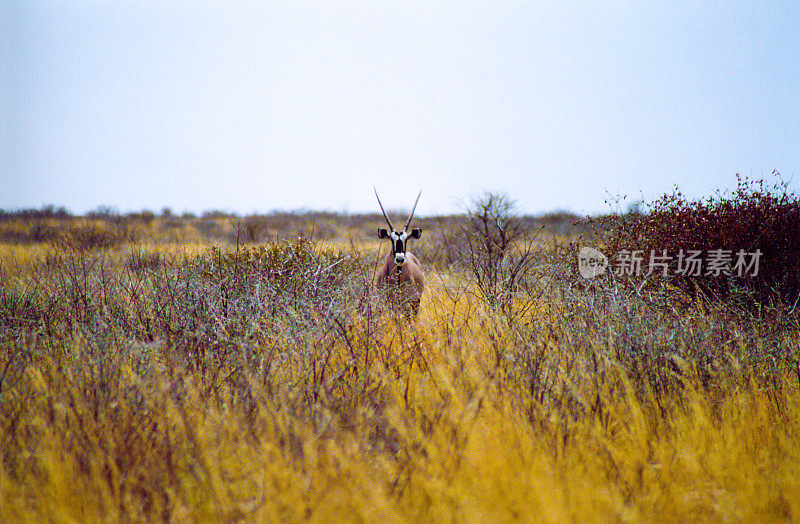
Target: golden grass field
pixel 173 377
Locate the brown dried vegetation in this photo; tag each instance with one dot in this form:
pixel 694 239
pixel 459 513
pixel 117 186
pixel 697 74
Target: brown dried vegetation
pixel 265 381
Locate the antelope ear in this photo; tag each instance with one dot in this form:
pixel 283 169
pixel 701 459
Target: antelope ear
pixel 416 232
pixel 382 233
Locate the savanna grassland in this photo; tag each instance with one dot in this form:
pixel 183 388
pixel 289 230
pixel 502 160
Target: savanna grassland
pixel 215 368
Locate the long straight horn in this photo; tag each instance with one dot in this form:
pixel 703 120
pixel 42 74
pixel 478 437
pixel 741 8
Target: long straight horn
pixel 391 227
pixel 412 212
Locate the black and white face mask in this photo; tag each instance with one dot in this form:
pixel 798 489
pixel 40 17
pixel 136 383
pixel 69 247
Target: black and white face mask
pixel 399 240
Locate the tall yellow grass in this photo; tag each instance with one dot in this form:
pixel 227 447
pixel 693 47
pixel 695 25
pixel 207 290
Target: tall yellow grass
pixel 459 416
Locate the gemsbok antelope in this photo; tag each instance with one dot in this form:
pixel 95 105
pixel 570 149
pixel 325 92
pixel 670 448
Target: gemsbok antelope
pixel 401 275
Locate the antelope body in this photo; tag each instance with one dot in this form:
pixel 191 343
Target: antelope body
pixel 401 275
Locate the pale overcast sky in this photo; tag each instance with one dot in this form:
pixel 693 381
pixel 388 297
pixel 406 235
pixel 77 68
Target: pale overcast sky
pixel 255 106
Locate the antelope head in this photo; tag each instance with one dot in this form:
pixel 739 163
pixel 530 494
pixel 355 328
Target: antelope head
pixel 399 237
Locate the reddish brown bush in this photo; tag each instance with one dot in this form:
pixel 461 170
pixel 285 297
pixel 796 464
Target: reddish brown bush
pixel 754 218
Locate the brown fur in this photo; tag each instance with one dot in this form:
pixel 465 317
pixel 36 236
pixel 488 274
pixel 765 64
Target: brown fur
pixel 403 289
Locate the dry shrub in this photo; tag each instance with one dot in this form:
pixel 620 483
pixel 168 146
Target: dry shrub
pixel 440 247
pixel 251 229
pixel 213 226
pixel 144 260
pixel 498 250
pixel 93 235
pixel 755 217
pixel 30 230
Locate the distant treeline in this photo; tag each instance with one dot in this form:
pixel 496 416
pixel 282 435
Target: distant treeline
pixel 146 215
pixel 105 227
